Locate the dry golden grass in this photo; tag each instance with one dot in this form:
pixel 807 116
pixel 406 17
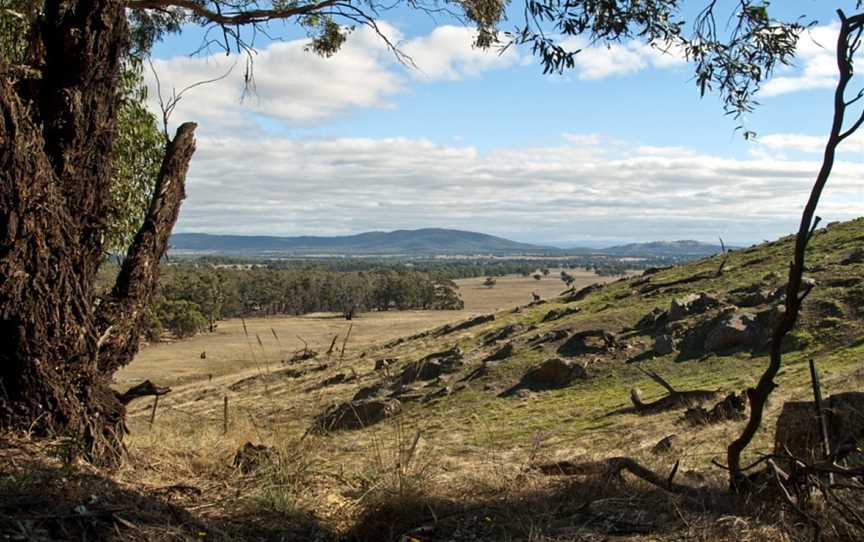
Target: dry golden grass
pixel 231 350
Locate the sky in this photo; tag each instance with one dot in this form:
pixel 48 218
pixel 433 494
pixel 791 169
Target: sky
pixel 619 149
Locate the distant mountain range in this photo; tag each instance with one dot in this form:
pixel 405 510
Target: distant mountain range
pixel 429 241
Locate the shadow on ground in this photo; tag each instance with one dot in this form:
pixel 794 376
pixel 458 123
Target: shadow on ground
pixel 45 497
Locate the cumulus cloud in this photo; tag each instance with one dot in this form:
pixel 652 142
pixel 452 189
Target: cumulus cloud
pixel 295 87
pixel 816 64
pixel 447 53
pixel 568 192
pixel 602 61
pixel 809 144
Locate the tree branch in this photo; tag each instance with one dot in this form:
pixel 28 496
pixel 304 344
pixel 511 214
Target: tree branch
pixel 231 18
pixel 121 312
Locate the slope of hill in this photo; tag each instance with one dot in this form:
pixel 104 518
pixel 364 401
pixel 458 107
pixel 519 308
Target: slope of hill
pixel 442 435
pixel 411 242
pixel 684 249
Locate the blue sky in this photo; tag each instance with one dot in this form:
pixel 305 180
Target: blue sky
pixel 619 149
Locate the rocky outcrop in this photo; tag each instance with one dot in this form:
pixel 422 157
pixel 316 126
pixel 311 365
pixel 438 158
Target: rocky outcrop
pixel 433 366
pixel 554 373
pixel 548 337
pixel 591 341
pixel 461 326
pixel 692 304
pixel 502 333
pixel 557 314
pixel 732 330
pixel 502 353
pixel 356 414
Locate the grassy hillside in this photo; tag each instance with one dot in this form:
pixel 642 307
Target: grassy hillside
pixel 470 415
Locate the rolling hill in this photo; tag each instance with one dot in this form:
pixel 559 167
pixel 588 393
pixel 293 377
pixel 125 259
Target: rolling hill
pixel 427 241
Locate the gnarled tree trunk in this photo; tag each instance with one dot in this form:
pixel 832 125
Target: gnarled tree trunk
pixel 60 343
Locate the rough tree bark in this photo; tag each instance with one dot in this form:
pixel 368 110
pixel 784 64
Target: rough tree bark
pixel 59 343
pixel 848 41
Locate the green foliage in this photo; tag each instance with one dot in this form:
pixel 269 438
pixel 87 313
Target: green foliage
pixel 181 318
pixel 140 147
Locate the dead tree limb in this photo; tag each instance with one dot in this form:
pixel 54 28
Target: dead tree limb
pixel 848 42
pixel 613 467
pixel 674 398
pixel 144 389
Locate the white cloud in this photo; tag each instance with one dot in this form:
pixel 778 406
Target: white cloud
pixel 600 62
pixel 584 188
pixel 816 64
pixel 809 144
pixel 294 86
pixel 447 53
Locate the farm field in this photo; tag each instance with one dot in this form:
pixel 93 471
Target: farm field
pixel 268 341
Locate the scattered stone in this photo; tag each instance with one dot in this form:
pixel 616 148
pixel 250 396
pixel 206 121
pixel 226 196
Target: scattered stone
pixel 856 256
pixel 502 333
pixel 368 391
pixel 665 445
pixel 556 314
pixel 452 328
pixel 335 379
pixel 664 344
pixel 433 366
pixel 502 353
pixel 251 456
pixel 591 341
pixel 779 294
pixel 548 337
pixel 692 304
pixel 523 393
pixel 438 394
pixel 653 319
pixel 733 330
pixel 356 414
pixel 554 373
pixel 381 364
pixel 750 296
pixel 573 296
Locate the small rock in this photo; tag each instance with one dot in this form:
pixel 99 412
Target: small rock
pixel 356 414
pixel 665 445
pixel 502 353
pixel 856 256
pixel 664 344
pixel 381 364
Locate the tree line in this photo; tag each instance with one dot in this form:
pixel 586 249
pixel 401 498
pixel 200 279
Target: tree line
pixel 193 297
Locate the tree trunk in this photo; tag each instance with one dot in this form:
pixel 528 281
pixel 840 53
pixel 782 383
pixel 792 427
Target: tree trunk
pixel 59 343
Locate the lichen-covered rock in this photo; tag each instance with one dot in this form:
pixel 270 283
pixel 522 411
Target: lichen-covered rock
pixel 733 330
pixel 683 307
